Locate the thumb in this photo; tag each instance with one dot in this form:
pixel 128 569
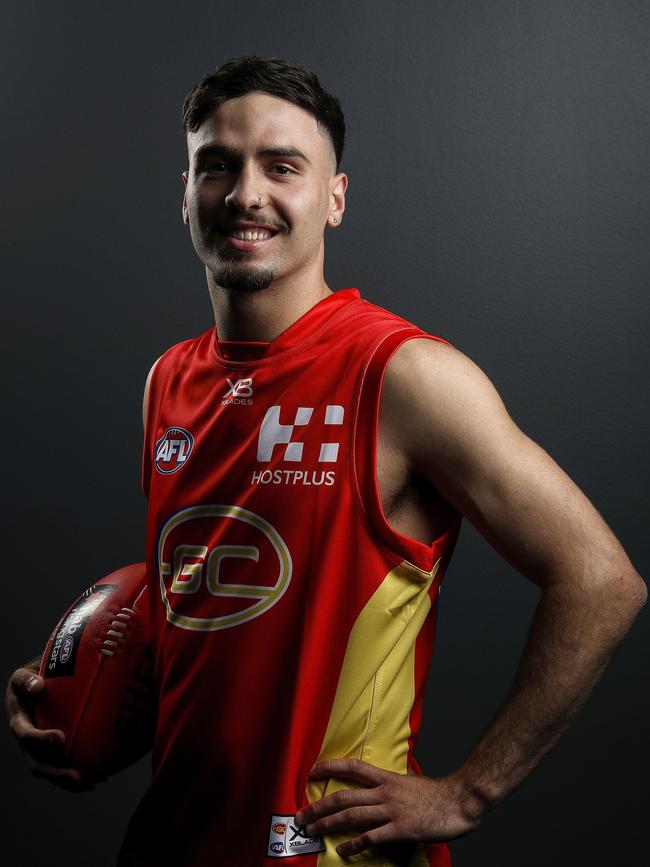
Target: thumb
pixel 30 682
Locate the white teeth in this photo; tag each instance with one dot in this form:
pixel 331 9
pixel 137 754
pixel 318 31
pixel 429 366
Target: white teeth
pixel 247 235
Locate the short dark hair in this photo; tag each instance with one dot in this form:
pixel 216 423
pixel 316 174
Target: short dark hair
pixel 287 79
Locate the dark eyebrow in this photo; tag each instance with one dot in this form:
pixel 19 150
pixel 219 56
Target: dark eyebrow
pixel 232 154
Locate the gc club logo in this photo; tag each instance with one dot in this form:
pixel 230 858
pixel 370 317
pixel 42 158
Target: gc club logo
pixel 173 450
pixel 239 572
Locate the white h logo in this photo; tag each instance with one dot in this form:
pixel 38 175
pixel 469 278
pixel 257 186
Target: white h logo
pixel 273 433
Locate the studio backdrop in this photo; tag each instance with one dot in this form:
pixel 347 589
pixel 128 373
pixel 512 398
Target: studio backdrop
pixel 499 197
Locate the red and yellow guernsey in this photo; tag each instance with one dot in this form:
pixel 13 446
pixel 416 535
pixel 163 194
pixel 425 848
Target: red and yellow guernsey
pixel 290 621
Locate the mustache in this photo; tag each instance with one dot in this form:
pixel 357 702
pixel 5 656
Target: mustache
pixel 264 224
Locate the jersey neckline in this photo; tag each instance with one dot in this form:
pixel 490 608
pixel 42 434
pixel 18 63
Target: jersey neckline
pixel 241 350
pixel 292 337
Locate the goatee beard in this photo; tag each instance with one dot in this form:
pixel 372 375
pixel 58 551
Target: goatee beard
pixel 244 279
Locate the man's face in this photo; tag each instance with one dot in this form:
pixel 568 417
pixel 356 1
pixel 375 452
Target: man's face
pixel 231 166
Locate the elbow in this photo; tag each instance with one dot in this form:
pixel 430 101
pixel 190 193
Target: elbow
pixel 628 584
pixel 619 590
pixel 637 590
pixel 618 579
pixel 628 595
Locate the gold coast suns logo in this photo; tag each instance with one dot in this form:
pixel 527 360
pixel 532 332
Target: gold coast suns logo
pixel 220 566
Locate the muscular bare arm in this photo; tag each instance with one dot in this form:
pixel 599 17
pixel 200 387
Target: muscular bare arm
pixel 461 437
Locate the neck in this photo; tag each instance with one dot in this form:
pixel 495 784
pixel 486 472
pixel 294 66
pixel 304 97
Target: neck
pixel 265 314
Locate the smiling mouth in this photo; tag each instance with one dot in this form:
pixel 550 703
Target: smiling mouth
pixel 252 234
pixel 245 240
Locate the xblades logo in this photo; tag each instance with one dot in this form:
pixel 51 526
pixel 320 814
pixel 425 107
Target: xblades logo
pixel 239 392
pixel 287 839
pixel 298 832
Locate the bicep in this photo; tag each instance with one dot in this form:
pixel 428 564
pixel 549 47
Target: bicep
pixel 462 438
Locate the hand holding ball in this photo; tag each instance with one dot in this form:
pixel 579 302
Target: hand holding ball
pixel 98 672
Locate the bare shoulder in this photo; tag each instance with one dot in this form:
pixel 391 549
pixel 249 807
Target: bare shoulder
pixel 435 397
pixel 437 364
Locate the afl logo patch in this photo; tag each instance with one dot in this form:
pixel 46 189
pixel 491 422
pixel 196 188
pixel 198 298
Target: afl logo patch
pixel 173 450
pixel 66 650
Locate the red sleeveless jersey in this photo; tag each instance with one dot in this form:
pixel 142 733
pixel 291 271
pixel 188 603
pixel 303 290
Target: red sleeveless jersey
pixel 290 622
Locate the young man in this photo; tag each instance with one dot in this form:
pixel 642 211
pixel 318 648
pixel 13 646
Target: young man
pixel 307 463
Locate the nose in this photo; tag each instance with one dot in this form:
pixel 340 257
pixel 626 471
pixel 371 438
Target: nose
pixel 246 191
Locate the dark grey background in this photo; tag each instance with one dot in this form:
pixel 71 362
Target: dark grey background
pixel 499 197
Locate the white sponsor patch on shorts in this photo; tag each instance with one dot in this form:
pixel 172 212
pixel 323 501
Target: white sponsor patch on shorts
pixel 287 838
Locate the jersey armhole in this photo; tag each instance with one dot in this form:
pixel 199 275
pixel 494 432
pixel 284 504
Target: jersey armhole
pixel 160 373
pixel 363 462
pixel 151 421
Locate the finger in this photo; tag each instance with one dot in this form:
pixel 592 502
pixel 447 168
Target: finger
pixel 368 840
pixel 353 769
pixel 17 697
pixel 26 732
pixel 20 694
pixel 71 785
pixel 26 681
pixel 340 800
pixel 53 773
pixel 22 687
pixel 75 782
pixel 354 817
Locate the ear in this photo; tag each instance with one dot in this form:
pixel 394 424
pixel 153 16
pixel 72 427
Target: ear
pixel 186 219
pixel 339 185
